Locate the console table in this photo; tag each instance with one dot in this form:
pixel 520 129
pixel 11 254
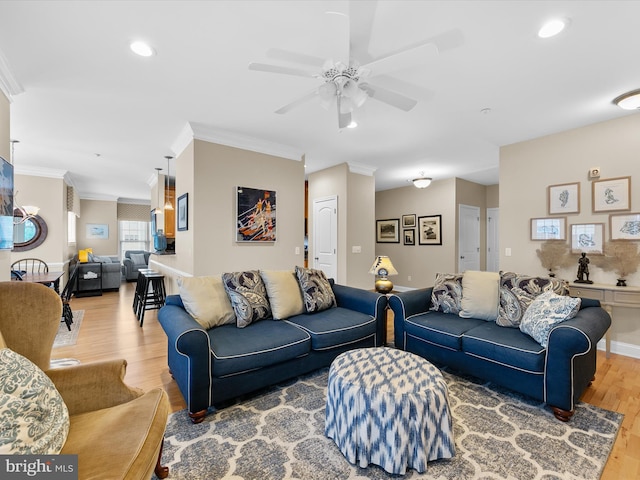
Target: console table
pixel 89 279
pixel 610 296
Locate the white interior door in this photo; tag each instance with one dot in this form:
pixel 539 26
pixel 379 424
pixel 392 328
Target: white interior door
pixel 325 236
pixel 493 246
pixel 468 238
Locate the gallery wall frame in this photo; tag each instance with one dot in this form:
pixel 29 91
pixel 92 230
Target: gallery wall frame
pixel 611 194
pixel 183 212
pixel 563 198
pixel 409 221
pixel 409 236
pixel 587 238
pixel 624 226
pixel 549 228
pixel 430 230
pixel 388 231
pixel 255 215
pixel 97 231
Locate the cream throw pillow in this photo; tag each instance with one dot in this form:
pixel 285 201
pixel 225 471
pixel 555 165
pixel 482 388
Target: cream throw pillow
pixel 284 293
pixel 480 295
pixel 206 300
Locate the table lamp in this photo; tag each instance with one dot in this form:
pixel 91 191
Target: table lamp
pixel 382 267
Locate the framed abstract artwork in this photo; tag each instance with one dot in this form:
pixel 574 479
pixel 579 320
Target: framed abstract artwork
pixel 611 194
pixel 97 231
pixel 388 231
pixel 625 226
pixel 549 228
pixel 430 230
pixel 255 215
pixel 409 236
pixel 183 212
pixel 587 238
pixel 564 198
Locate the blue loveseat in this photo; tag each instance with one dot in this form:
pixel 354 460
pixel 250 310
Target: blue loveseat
pixel 217 364
pixel 556 374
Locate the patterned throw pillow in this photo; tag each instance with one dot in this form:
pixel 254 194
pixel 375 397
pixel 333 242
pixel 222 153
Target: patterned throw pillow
pixel 316 290
pixel 447 293
pixel 248 296
pixel 545 312
pixel 518 291
pixel 33 417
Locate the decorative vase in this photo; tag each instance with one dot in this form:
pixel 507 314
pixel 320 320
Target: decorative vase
pixel 621 282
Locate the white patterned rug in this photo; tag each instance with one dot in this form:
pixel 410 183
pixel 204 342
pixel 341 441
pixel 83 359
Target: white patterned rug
pixel 279 434
pixel 64 337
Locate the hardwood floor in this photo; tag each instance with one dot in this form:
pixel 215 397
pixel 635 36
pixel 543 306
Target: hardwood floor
pixel 110 330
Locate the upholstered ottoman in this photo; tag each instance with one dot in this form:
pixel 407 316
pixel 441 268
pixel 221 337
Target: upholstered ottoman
pixel 390 408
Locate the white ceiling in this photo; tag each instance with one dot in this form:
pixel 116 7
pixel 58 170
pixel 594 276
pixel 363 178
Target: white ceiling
pixel 85 93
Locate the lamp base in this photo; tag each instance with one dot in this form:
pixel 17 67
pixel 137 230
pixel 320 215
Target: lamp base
pixel 383 285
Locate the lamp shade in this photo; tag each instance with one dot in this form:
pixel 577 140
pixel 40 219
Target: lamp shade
pixel 382 262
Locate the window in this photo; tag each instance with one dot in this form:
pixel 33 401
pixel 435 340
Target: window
pixel 71 227
pixel 134 235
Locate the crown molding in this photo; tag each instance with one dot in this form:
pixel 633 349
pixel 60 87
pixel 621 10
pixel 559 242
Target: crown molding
pixel 41 172
pixel 93 196
pixel 361 169
pixel 9 85
pixel 134 201
pixel 231 139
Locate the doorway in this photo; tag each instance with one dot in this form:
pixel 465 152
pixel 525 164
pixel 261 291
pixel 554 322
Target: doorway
pixel 468 238
pixel 325 236
pixel 493 246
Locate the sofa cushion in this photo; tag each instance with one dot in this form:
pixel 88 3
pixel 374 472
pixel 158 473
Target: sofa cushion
pixel 506 346
pixel 34 419
pixel 206 300
pixel 442 329
pixel 284 293
pixel 518 291
pixel 545 312
pixel 248 296
pixel 447 293
pixel 259 345
pixel 480 295
pixel 335 327
pixel 138 258
pixel 316 290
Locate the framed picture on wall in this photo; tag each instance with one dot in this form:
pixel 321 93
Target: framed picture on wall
pixel 255 215
pixel 409 221
pixel 611 194
pixel 409 236
pixel 183 212
pixel 97 231
pixel 388 231
pixel 564 198
pixel 625 226
pixel 587 238
pixel 549 228
pixel 430 230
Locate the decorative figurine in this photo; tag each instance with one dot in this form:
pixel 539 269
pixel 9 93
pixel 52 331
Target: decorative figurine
pixel 583 269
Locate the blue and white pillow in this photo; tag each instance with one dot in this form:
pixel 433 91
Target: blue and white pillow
pixel 545 312
pixel 447 293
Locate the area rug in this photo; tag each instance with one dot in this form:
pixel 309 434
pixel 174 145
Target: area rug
pixel 66 337
pixel 279 434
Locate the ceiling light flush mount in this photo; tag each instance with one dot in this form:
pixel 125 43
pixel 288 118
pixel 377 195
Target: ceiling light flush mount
pixel 629 100
pixel 141 48
pixel 553 27
pixel 422 181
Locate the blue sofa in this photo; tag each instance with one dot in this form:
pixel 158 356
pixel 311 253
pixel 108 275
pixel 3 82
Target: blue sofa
pixel 221 363
pixel 556 375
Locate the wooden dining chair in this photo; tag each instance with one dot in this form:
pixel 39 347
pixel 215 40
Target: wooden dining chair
pixel 67 292
pixel 30 265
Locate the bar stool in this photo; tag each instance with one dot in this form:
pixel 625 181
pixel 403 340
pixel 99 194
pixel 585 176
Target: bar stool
pixel 151 293
pixel 140 292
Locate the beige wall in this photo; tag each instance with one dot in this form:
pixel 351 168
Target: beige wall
pixel 528 168
pixel 98 212
pixel 5 256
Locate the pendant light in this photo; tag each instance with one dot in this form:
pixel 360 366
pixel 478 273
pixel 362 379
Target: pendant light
pixel 159 210
pixel 167 198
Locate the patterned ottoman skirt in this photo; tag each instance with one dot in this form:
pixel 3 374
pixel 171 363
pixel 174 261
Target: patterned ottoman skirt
pixel 390 408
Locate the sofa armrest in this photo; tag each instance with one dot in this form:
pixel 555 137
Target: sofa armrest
pixel 93 386
pixel 406 304
pixel 367 302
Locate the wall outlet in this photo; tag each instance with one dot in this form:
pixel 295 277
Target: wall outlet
pixel 297 250
pixel 594 172
pixel 356 249
pixel 409 278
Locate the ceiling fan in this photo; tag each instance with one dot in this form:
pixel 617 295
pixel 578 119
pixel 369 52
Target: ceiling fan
pixel 346 83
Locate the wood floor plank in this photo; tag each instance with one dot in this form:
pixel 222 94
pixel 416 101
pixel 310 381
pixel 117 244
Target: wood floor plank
pixel 110 330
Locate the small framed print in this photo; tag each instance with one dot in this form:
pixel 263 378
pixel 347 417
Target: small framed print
pixel 587 238
pixel 430 230
pixel 611 194
pixel 550 228
pixel 388 231
pixel 409 236
pixel 564 198
pixel 183 212
pixel 625 226
pixel 409 221
pixel 97 231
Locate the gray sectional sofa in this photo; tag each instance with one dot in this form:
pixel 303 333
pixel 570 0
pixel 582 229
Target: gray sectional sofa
pixel 213 364
pixel 555 368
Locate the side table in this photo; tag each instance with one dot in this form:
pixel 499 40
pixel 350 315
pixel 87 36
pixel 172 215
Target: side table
pixel 89 280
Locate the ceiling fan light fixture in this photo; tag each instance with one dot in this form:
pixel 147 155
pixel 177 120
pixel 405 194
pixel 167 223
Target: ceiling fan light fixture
pixel 552 28
pixel 353 124
pixel 141 48
pixel 629 100
pixel 421 182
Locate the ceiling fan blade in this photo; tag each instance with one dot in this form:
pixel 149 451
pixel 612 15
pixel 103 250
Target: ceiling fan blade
pixel 337 24
pixel 265 67
pixel 361 17
pixel 295 57
pixel 410 57
pixel 389 97
pixel 448 40
pixel 309 96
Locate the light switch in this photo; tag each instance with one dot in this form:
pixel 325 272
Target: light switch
pixel 356 249
pixel 507 252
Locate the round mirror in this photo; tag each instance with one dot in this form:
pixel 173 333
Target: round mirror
pixel 28 234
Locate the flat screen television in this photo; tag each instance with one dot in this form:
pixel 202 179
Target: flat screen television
pixel 6 205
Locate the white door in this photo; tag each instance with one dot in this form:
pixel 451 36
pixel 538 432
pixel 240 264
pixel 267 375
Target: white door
pixel 325 236
pixel 493 246
pixel 468 238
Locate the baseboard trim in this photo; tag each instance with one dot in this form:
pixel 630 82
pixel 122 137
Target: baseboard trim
pixel 621 348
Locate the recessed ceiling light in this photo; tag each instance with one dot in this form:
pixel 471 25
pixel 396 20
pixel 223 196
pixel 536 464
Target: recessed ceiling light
pixel 353 124
pixel 552 28
pixel 143 49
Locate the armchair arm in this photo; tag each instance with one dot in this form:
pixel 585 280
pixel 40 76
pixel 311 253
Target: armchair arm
pixel 367 302
pixel 93 386
pixel 128 265
pixel 405 305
